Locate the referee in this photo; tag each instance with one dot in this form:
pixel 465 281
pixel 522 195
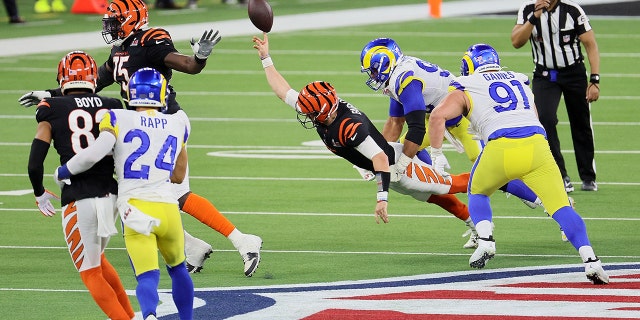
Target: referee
pixel 555 29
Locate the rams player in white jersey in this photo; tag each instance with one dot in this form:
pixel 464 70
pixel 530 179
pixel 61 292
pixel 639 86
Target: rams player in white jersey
pixel 500 107
pixel 414 87
pixel 149 150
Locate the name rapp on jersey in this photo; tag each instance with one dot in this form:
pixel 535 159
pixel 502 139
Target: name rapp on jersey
pixel 546 292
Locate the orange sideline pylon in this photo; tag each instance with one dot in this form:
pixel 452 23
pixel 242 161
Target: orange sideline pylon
pixel 434 8
pixel 89 7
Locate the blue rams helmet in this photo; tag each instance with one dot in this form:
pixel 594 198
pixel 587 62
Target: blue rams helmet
pixel 480 58
pixel 378 59
pixel 148 88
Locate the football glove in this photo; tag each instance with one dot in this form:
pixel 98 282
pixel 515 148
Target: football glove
pixel 33 98
pixel 202 49
pixel 399 169
pixel 44 203
pixel 60 182
pixel 440 162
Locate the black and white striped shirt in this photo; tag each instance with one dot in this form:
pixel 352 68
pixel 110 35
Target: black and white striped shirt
pixel 554 39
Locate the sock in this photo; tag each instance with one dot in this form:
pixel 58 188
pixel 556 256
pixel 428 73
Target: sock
pixel 484 229
pixel 479 208
pixel 586 253
pixel 203 210
pixel 236 237
pixel 103 294
pixel 147 292
pixel 182 290
pixel 459 183
pixel 450 203
pixel 520 190
pixel 112 277
pixel 573 226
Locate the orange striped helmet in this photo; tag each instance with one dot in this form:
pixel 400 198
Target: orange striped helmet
pixel 316 102
pixel 77 70
pixel 123 18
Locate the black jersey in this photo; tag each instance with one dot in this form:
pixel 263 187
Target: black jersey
pixel 74 123
pixel 143 49
pixel 350 128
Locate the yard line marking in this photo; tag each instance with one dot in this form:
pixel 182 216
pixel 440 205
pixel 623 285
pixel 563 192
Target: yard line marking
pixel 365 215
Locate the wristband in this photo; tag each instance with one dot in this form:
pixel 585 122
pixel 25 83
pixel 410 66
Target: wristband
pixel 266 62
pixel 200 61
pixel 533 19
pixel 383 196
pixel 594 78
pixel 436 152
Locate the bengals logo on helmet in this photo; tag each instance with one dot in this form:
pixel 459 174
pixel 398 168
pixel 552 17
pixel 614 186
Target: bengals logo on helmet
pixel 316 101
pixel 77 70
pixel 123 18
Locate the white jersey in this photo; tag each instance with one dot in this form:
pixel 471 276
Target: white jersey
pixel 435 80
pixel 501 104
pixel 145 152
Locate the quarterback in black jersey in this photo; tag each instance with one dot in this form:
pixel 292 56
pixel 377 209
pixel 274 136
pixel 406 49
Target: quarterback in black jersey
pixel 88 202
pixel 350 134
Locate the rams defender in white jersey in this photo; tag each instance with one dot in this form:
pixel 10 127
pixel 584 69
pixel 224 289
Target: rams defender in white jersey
pixel 149 150
pixel 500 106
pixel 414 87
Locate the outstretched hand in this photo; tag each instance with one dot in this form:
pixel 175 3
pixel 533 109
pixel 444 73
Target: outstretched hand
pixel 33 98
pixel 262 45
pixel 203 48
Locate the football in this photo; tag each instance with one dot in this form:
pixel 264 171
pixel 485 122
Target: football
pixel 260 14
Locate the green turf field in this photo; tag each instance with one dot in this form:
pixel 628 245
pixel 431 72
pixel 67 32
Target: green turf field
pixel 314 214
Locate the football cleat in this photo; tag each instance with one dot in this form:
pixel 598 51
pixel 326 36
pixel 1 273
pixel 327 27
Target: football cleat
pixel 589 186
pixel 249 249
pixel 196 251
pixel 594 272
pixel 486 251
pixel 568 186
pixel 473 239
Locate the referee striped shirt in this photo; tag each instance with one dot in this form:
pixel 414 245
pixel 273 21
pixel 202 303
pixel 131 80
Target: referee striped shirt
pixel 554 39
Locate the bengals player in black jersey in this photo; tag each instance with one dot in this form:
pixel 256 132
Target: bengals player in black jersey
pixel 136 46
pixel 88 202
pixel 348 133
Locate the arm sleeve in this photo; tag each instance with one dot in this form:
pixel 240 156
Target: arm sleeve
pixel 38 154
pixel 292 99
pixel 369 148
pixel 86 158
pixel 417 127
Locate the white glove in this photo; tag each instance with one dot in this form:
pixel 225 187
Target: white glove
pixel 399 169
pixel 33 98
pixel 202 49
pixel 440 162
pixel 59 182
pixel 44 203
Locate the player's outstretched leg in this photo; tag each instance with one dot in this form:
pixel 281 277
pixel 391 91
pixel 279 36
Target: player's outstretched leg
pixel 248 245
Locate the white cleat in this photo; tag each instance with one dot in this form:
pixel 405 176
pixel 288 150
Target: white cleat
pixel 473 239
pixel 249 250
pixel 594 272
pixel 486 251
pixel 196 251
